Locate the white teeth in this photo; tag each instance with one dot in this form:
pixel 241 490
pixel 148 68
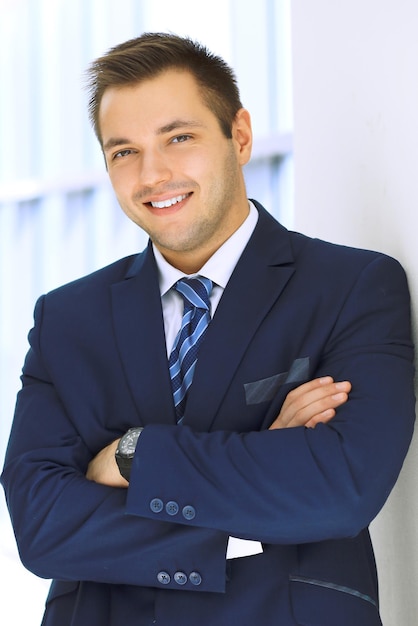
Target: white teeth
pixel 166 203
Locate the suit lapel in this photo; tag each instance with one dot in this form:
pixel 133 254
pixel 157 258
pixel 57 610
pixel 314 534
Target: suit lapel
pixel 139 331
pixel 260 276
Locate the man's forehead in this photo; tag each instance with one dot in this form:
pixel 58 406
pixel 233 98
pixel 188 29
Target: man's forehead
pixel 174 89
pixel 163 104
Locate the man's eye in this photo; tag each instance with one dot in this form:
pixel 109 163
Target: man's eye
pixel 180 138
pixel 122 153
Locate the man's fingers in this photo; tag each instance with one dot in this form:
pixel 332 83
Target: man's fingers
pixel 314 399
pixel 312 402
pixel 321 418
pixel 317 408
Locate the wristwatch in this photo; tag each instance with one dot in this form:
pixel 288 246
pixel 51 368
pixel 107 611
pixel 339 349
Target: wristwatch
pixel 126 450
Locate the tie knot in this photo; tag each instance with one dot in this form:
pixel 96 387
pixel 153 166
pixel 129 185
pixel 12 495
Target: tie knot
pixel 195 291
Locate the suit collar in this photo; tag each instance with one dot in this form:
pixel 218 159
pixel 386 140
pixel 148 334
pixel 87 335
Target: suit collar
pixel 271 239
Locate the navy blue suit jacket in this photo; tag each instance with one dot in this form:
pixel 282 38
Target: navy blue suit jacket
pixel 295 308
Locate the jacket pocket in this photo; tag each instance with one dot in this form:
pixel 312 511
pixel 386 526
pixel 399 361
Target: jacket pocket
pixel 265 389
pixel 322 603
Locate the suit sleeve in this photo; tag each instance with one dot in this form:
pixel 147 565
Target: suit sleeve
pixel 302 485
pixel 70 528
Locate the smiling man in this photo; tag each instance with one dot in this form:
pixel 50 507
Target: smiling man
pixel 206 429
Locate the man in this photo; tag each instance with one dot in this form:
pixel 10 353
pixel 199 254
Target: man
pixel 244 496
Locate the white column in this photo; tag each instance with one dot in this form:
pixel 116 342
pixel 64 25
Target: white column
pixel 356 165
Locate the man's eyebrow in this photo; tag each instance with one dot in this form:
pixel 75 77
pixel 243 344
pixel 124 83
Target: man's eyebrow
pixel 114 142
pixel 179 123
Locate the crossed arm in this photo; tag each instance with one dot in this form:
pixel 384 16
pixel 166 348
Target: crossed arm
pixel 307 405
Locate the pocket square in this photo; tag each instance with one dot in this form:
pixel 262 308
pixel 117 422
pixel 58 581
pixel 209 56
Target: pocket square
pixel 265 389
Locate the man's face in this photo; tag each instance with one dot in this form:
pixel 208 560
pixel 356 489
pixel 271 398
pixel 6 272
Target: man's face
pixel 173 171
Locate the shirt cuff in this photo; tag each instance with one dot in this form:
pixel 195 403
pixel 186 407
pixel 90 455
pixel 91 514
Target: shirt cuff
pixel 238 548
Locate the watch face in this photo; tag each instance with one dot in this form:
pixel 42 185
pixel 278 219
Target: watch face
pixel 127 444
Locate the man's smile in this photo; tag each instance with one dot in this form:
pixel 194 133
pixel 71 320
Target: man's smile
pixel 169 202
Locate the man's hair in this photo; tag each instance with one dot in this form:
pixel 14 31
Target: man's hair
pixel 151 54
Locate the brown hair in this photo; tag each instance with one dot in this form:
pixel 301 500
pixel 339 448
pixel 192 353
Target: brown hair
pixel 149 55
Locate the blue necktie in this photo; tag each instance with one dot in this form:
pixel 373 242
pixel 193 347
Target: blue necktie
pixel 196 317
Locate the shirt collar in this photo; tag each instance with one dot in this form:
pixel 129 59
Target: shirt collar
pixel 220 265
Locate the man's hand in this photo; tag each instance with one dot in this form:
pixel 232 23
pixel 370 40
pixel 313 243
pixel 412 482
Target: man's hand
pixel 312 403
pixel 103 468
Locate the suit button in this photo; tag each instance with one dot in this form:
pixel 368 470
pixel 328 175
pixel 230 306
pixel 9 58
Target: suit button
pixel 180 578
pixel 195 578
pixel 156 505
pixel 163 578
pixel 189 512
pixel 172 508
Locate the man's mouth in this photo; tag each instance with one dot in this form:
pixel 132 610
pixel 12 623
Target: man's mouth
pixel 164 204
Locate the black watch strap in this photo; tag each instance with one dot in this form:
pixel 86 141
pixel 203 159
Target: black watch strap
pixel 124 466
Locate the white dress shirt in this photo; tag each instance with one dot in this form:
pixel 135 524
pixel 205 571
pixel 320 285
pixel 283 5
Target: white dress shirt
pixel 219 269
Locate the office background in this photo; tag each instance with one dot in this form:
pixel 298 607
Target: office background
pixel 332 89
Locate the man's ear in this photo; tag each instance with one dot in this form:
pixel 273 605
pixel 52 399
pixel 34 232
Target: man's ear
pixel 242 135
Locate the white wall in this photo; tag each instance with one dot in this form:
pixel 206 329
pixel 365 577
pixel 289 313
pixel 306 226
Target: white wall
pixel 355 66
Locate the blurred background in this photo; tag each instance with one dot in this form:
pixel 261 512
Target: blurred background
pixel 332 90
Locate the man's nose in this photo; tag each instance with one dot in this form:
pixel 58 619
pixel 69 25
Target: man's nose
pixel 155 168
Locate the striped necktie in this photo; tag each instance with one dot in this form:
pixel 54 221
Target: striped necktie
pixel 196 317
